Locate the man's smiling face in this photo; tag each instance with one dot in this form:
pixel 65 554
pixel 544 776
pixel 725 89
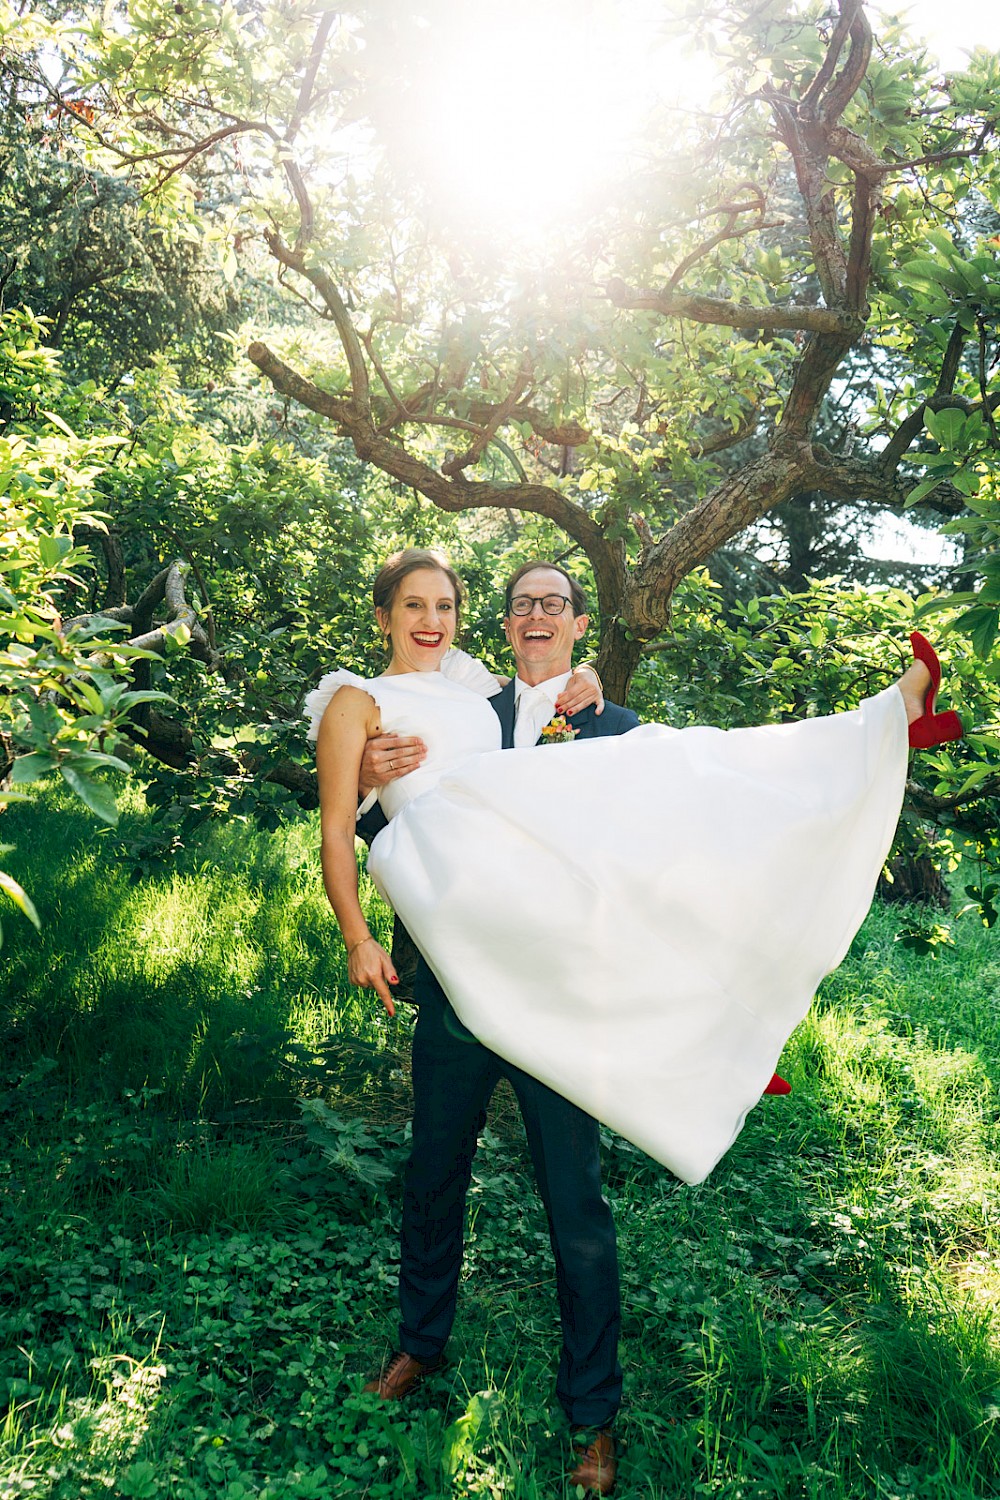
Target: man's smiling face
pixel 543 644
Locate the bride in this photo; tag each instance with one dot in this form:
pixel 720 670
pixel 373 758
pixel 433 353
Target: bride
pixel 639 921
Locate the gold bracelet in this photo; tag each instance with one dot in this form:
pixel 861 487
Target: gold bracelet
pixel 592 668
pixel 355 946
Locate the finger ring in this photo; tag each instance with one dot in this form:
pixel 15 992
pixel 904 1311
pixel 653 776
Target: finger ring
pixel 392 765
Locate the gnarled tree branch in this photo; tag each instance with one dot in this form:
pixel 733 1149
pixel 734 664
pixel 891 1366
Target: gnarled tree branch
pixel 298 261
pixel 790 318
pixel 456 493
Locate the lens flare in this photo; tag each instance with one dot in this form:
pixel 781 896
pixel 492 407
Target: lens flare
pixel 519 119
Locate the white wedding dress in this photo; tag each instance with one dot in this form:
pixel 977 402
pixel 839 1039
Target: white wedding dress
pixel 641 920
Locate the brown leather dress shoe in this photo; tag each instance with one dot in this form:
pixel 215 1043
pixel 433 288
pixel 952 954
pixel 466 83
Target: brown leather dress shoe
pixel 597 1467
pixel 400 1375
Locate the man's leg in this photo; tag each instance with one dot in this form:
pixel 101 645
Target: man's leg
pixel 453 1078
pixel 565 1150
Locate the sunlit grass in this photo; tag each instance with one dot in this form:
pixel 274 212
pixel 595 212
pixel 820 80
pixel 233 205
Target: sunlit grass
pixel 104 1427
pixel 154 983
pixel 192 1293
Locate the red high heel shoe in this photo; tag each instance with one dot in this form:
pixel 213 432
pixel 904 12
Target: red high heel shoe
pixel 931 728
pixel 778 1085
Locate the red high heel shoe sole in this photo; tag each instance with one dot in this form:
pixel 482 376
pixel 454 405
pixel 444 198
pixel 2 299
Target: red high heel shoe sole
pixel 778 1085
pixel 931 728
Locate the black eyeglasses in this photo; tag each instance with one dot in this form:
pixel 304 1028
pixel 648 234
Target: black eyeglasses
pixel 552 604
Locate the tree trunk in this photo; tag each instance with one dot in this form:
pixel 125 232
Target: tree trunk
pixel 915 878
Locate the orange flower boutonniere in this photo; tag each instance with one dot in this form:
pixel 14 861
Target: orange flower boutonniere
pixel 559 731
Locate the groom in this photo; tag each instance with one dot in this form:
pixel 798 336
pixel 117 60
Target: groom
pixel 454 1077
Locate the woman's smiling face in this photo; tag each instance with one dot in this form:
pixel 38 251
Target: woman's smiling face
pixel 420 621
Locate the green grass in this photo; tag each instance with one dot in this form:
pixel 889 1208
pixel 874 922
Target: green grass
pixel 195 1276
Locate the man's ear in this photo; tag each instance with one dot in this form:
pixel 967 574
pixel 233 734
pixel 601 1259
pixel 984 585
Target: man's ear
pixel 580 623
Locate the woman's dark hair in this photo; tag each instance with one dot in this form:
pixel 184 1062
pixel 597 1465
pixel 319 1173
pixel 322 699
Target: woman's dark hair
pixel 401 564
pixel 577 597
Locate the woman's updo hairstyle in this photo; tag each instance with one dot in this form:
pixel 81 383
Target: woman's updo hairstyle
pixel 401 564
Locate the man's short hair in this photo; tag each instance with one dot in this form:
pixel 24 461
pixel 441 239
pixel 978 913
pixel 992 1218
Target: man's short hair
pixel 577 597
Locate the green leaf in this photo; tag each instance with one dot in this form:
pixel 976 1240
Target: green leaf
pixel 57 421
pixel 967 481
pixel 921 491
pixel 52 549
pixel 140 1480
pixel 20 898
pixel 920 272
pixel 980 624
pixel 947 426
pixel 942 242
pixel 91 697
pixel 175 637
pixel 30 767
pixel 401 1442
pixel 979 774
pixel 147 695
pixel 925 939
pixel 97 797
pixel 96 758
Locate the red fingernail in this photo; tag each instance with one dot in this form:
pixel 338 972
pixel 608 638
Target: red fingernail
pixel 393 978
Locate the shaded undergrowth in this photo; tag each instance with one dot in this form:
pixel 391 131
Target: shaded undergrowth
pixel 195 1273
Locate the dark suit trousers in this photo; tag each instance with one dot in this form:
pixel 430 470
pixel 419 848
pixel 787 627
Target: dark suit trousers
pixel 453 1079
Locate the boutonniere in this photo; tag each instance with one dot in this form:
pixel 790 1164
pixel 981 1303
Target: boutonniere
pixel 559 731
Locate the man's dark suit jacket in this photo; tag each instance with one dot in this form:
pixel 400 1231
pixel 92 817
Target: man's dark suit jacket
pixel 591 726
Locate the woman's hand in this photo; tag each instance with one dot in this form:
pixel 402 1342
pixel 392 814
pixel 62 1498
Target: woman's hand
pixel 387 756
pixel 583 688
pixel 371 968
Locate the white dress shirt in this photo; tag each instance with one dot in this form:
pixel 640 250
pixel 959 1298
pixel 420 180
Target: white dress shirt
pixel 534 707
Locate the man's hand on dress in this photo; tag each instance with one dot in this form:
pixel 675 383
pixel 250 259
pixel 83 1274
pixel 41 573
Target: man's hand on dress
pixel 386 757
pixel 583 689
pixel 371 968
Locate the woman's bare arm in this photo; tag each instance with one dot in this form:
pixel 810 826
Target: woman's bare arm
pixel 351 719
pixel 584 687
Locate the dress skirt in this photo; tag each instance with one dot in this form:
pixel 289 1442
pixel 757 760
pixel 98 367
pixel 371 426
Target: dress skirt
pixel 641 921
